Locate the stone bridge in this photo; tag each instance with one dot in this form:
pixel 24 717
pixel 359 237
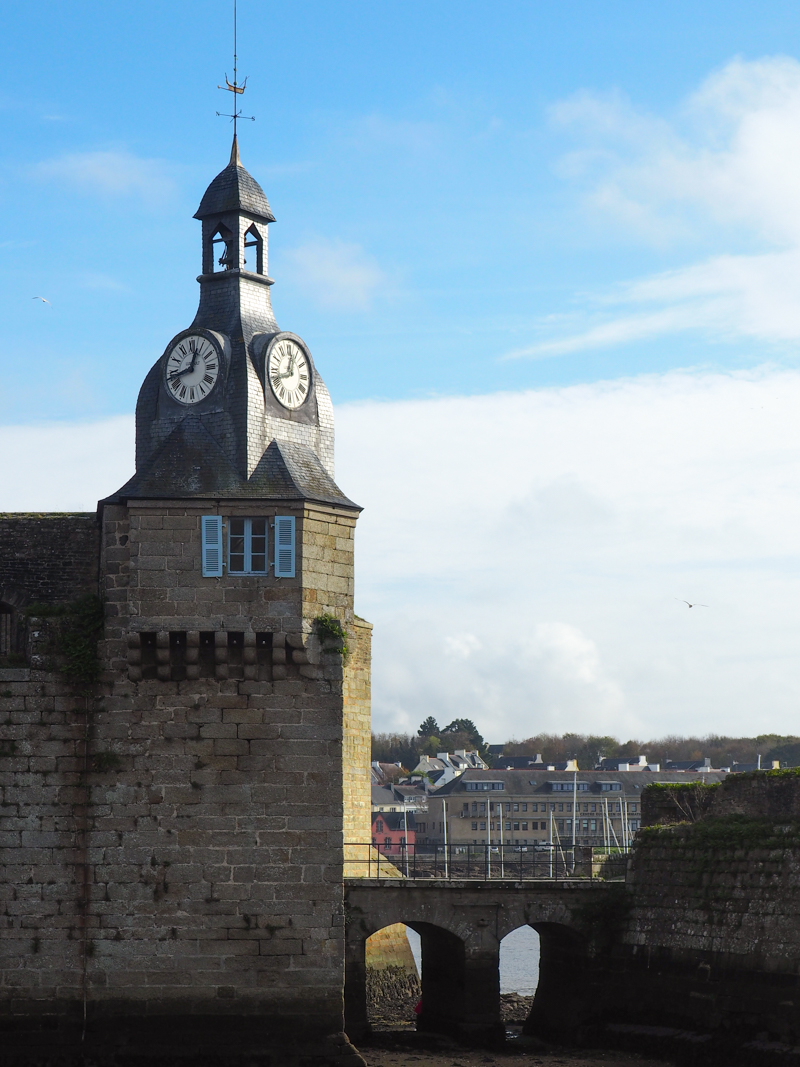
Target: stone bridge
pixel 461 925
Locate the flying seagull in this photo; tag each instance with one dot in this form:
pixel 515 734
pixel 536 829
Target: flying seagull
pixel 42 300
pixel 691 605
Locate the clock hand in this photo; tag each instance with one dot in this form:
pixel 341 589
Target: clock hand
pixel 291 369
pixel 186 370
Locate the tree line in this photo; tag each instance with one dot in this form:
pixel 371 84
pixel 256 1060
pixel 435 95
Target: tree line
pixel 587 749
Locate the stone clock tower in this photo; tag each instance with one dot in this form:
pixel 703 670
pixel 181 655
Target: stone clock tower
pixel 202 792
pixel 234 399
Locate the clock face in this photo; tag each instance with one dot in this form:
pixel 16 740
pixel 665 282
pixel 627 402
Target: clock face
pixel 289 373
pixel 191 369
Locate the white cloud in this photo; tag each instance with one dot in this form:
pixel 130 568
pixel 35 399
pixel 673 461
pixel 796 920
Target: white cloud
pixel 727 297
pixel 520 555
pixel 729 157
pixel 336 275
pixel 110 173
pixel 724 171
pixel 523 556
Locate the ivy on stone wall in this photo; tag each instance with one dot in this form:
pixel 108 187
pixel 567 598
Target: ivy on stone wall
pixel 331 633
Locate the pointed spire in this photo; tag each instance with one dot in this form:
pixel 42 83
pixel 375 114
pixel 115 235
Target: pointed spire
pixel 235 161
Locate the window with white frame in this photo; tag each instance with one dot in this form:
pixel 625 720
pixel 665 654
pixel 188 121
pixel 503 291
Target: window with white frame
pixel 247 546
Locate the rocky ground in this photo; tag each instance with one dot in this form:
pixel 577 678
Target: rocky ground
pixel 394 1010
pixel 395 1042
pixel 444 1054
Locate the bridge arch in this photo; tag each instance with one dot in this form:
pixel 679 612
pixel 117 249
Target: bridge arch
pixel 461 927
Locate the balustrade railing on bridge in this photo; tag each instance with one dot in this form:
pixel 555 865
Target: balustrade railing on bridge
pixel 484 862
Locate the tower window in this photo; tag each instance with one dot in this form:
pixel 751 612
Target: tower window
pixel 247 546
pixel 254 259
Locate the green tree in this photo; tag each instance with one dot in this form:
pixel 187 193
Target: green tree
pixel 428 728
pixel 463 733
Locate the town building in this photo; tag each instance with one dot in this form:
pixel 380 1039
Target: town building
pixel 518 808
pixel 445 766
pixel 631 763
pixel 399 797
pixel 521 763
pixel 384 773
pixel 394 832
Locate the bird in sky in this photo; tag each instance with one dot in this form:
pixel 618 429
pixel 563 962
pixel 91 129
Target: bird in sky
pixel 42 300
pixel 690 605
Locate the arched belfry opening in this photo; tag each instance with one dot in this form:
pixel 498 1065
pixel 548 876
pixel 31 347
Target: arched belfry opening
pixel 223 250
pixel 253 250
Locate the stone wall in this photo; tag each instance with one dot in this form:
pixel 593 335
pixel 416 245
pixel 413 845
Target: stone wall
pixel 356 750
pixel 712 936
pixel 758 794
pixel 171 838
pixel 48 557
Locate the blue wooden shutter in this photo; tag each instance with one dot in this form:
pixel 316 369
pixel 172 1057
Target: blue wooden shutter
pixel 211 530
pixel 284 546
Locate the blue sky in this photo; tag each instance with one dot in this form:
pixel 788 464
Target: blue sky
pixel 448 188
pixel 547 259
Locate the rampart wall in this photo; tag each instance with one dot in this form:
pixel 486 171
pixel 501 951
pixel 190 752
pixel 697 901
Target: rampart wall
pixel 48 557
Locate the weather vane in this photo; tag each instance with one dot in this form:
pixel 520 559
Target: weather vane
pixel 236 89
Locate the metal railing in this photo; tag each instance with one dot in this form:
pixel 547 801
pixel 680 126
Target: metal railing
pixel 485 862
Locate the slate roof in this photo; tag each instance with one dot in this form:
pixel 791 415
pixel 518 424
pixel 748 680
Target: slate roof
pixel 190 463
pixel 233 190
pixel 395 820
pixel 381 794
pixel 521 783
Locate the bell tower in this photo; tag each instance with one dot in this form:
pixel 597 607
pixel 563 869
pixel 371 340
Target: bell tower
pixel 227 570
pixel 232 382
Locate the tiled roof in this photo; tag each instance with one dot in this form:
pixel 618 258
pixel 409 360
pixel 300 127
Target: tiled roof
pixel 190 463
pixel 234 189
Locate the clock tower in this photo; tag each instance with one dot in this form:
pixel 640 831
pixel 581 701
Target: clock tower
pixel 237 680
pixel 232 392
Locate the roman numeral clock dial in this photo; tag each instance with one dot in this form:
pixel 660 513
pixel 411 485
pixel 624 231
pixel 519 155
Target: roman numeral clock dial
pixel 191 369
pixel 289 373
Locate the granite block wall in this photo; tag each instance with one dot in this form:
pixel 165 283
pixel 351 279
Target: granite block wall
pixel 171 838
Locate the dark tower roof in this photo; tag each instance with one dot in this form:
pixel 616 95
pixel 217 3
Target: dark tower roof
pixel 234 189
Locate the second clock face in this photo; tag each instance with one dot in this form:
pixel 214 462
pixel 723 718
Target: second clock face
pixel 289 373
pixel 192 369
